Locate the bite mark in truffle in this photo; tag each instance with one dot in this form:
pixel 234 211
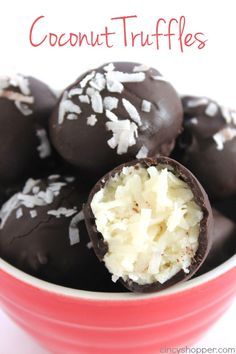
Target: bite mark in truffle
pixel 150 223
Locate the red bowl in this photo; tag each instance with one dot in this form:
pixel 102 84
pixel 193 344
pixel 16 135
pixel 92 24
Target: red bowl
pixel 69 321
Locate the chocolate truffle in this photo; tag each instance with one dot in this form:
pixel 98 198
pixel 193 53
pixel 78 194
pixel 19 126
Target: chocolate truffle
pixel 150 222
pixel 113 114
pixel 25 106
pixel 223 242
pixel 42 232
pixel 2 196
pixel 209 145
pixel 227 207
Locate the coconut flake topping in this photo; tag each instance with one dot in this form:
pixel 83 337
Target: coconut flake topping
pixel 110 103
pixel 229 115
pixel 67 106
pixel 124 135
pixel 143 152
pixel 141 67
pixel 146 106
pixel 92 120
pixel 21 98
pixel 30 197
pixel 132 111
pixel 224 135
pixel 62 212
pixel 44 148
pixel 195 102
pixel 73 228
pixel 211 109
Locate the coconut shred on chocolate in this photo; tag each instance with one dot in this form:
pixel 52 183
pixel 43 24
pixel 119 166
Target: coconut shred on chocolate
pixel 25 106
pixel 150 222
pixel 208 145
pixel 113 114
pixel 42 232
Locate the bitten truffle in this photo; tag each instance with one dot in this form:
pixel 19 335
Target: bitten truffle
pixel 150 222
pixel 25 106
pixel 113 114
pixel 208 145
pixel 42 232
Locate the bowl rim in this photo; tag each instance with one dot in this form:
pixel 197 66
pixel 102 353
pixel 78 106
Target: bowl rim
pixel 104 296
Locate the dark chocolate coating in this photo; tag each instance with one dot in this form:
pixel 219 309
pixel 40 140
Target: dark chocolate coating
pixel 41 247
pixel 86 146
pixel 18 152
pixel 227 207
pixel 206 224
pixel 2 196
pixel 215 169
pixel 223 243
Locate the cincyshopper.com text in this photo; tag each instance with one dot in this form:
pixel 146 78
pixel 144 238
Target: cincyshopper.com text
pixel 198 350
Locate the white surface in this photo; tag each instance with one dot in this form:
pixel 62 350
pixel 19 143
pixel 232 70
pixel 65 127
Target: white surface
pixel 14 341
pixel 210 71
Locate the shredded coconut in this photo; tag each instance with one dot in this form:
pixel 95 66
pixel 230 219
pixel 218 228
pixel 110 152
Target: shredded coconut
pixel 89 245
pixel 141 67
pixel 143 152
pixel 75 92
pixel 110 103
pixel 87 78
pixel 111 116
pixel 195 102
pixel 159 78
pixel 44 148
pixel 33 213
pixel 211 109
pixel 125 77
pixel 97 104
pixel 124 135
pixel 92 120
pixel 150 221
pixel 224 135
pixel 114 85
pixel 23 108
pixel 146 106
pixel 194 121
pixel 62 212
pixel 229 115
pixel 19 213
pixel 109 67
pixel 67 106
pixel 22 98
pixel 132 111
pixel 73 228
pixel 98 82
pixel 84 98
pixel 37 198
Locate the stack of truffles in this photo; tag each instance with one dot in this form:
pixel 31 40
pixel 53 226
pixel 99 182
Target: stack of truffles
pixel 107 187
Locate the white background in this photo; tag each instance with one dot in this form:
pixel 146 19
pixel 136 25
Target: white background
pixel 210 71
pixel 221 335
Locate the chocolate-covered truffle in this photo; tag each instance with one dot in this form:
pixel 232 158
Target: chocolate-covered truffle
pixel 25 106
pixel 150 222
pixel 209 145
pixel 42 232
pixel 227 207
pixel 113 114
pixel 223 242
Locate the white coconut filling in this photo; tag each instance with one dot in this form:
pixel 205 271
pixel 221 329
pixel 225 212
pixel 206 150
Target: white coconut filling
pixel 150 222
